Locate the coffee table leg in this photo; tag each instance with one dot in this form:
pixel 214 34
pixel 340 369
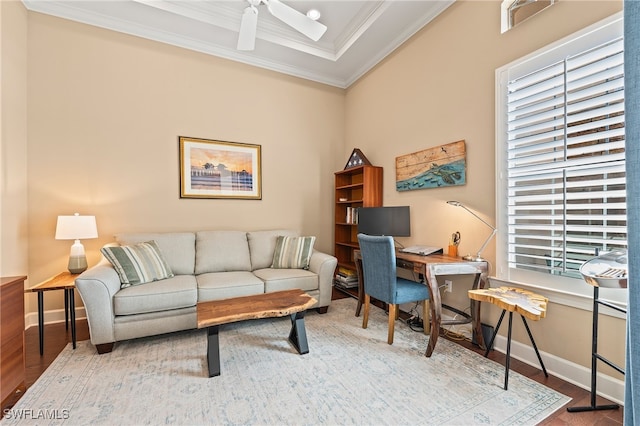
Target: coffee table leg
pixel 213 351
pixel 298 334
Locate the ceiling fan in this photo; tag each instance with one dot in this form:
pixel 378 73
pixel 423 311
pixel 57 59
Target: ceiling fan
pixel 298 21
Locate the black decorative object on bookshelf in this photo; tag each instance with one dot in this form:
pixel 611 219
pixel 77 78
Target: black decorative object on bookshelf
pixel 356 159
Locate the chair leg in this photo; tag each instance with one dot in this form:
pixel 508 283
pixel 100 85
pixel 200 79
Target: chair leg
pixel 426 320
pixel 393 311
pixel 365 315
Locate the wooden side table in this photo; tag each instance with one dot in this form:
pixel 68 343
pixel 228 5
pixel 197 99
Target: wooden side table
pixel 526 303
pixel 63 281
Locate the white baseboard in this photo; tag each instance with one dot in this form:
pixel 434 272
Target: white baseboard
pixel 51 317
pixel 607 387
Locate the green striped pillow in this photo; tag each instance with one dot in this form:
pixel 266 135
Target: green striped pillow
pixel 292 252
pixel 138 264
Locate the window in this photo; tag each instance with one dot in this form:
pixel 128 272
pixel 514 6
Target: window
pixel 561 158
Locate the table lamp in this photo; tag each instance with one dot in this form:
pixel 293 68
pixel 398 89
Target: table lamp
pixel 76 227
pixel 476 257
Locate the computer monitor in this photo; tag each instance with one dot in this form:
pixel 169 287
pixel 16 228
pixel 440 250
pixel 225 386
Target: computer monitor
pixel 392 221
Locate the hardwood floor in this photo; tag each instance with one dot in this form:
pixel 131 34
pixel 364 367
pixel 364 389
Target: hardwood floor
pixel 56 338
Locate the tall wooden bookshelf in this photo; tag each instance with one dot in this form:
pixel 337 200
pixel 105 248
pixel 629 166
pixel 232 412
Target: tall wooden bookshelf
pixel 355 187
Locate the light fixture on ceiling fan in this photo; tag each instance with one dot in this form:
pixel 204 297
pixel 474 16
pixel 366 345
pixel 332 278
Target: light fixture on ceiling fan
pixel 298 21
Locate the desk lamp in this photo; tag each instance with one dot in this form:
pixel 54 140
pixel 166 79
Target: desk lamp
pixel 476 257
pixel 76 227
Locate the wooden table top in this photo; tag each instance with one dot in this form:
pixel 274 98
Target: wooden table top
pixel 524 302
pixel 264 305
pixel 58 282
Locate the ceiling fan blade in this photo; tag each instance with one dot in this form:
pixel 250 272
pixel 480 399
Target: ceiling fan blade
pixel 299 21
pixel 248 27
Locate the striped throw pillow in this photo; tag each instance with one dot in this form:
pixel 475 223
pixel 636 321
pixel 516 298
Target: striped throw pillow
pixel 138 264
pixel 292 252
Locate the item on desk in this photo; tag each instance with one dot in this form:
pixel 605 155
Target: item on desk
pixel 453 244
pixel 422 250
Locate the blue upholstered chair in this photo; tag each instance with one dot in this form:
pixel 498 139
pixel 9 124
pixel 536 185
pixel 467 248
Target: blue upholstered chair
pixel 382 283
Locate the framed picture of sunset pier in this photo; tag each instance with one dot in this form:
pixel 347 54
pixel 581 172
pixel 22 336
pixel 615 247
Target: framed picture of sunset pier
pixel 218 169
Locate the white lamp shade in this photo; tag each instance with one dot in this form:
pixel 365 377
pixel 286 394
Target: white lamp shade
pixel 76 227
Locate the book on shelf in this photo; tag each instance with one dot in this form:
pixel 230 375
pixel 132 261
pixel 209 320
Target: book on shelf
pixel 344 279
pixel 347 272
pixel 352 215
pixel 342 284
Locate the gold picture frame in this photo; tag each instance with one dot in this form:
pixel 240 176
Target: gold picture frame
pixel 219 169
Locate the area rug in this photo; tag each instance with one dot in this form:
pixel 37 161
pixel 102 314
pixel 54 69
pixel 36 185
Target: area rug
pixel 350 376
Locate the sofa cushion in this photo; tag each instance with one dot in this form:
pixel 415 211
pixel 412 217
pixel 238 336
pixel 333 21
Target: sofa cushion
pixel 262 244
pixel 178 248
pixel 293 252
pixel 172 293
pixel 222 251
pixel 287 279
pixel 223 285
pixel 138 264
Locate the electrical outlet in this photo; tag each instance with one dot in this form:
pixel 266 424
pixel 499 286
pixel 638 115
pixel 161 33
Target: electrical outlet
pixel 448 286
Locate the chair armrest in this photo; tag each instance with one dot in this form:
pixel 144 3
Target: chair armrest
pixel 324 265
pixel 97 286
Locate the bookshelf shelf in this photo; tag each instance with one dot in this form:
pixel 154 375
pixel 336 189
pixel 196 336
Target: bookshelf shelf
pixel 354 188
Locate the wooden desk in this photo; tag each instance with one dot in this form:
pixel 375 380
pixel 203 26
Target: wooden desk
pixel 429 268
pixel 63 281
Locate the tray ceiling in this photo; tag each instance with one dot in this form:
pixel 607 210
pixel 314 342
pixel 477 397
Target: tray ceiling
pixel 359 35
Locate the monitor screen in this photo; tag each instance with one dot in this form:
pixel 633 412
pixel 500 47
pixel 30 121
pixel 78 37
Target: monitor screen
pixel 391 221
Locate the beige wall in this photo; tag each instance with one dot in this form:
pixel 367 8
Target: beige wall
pixel 13 139
pixel 439 88
pixel 105 113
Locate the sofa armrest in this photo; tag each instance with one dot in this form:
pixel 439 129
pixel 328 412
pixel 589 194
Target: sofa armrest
pixel 324 265
pixel 97 286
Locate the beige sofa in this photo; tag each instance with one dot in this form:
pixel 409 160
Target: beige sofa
pixel 208 265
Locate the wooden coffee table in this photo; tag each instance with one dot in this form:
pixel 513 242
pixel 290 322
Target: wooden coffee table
pixel 266 305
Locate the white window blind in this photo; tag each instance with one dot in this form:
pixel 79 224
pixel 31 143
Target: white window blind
pixel 565 161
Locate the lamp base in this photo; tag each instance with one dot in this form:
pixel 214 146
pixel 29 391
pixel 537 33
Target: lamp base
pixel 474 258
pixel 77 264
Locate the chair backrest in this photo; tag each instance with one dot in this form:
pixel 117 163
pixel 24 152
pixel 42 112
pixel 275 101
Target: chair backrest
pixel 379 266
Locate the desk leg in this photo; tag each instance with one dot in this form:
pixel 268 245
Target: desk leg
pixel 358 263
pixel 41 321
pixel 476 323
pixel 435 303
pixel 72 309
